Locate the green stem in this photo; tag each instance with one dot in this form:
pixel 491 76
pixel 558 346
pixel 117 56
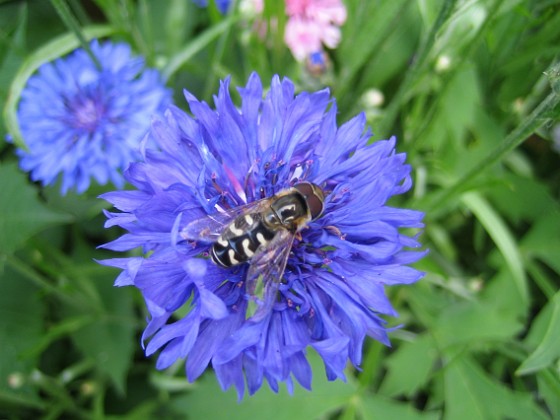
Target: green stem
pixel 23 269
pixel 80 12
pixel 350 79
pixel 217 58
pixel 76 370
pixel 371 364
pixel 15 399
pixel 540 278
pixel 129 18
pixel 148 38
pixel 196 45
pixel 463 57
pixel 528 126
pixel 551 378
pixel 98 405
pixel 72 23
pixel 61 400
pixel 416 69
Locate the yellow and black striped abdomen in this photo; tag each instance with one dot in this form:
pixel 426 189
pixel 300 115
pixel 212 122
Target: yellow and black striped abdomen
pixel 240 240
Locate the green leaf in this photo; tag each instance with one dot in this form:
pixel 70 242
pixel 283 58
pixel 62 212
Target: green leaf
pixel 470 393
pixel 23 214
pixel 460 102
pixel 10 58
pixel 177 21
pixel 541 114
pixel 109 338
pixel 409 368
pixel 502 237
pixel 543 240
pixel 208 401
pixel 502 297
pixel 548 349
pixel 474 323
pixel 49 52
pixel 21 328
pixel 521 198
pixel 378 407
pixel 549 391
pixel 363 41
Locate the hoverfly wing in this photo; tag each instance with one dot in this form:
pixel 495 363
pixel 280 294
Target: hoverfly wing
pixel 209 228
pixel 205 229
pixel 265 274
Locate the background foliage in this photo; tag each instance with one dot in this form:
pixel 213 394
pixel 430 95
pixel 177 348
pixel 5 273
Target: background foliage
pixel 471 90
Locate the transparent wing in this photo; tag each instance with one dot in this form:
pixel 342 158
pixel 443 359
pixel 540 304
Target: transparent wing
pixel 209 228
pixel 265 274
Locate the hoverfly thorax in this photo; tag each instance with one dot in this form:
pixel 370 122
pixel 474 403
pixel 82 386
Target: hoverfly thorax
pixel 314 198
pixel 290 210
pixel 293 208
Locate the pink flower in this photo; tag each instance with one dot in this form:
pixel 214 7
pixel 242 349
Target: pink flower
pixel 313 23
pixel 251 7
pixel 321 10
pixel 303 37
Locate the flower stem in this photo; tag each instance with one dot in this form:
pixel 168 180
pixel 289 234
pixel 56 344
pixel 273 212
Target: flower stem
pixel 73 25
pixel 196 45
pixel 542 114
pixel 371 364
pixel 450 75
pixel 416 69
pixel 40 281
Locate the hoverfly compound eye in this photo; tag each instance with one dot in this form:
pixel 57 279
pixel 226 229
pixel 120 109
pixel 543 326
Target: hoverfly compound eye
pixel 314 197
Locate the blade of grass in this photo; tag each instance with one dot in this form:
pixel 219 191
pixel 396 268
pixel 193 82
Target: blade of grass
pixel 416 68
pixel 547 351
pixel 446 80
pixel 73 25
pixel 502 237
pixel 195 46
pixel 369 52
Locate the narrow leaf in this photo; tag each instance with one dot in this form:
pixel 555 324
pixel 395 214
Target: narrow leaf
pixel 21 328
pixel 377 407
pixel 109 338
pixel 23 214
pixel 502 237
pixel 408 368
pixel 195 46
pixel 548 350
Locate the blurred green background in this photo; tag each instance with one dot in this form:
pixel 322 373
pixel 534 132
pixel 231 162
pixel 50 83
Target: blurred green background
pixel 471 90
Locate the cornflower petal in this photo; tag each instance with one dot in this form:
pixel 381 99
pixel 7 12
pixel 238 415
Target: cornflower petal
pixel 222 5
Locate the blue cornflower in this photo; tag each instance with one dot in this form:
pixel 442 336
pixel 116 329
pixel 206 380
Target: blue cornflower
pixel 332 292
pixel 84 122
pixel 222 5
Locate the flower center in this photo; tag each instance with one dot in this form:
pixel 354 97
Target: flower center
pixel 87 115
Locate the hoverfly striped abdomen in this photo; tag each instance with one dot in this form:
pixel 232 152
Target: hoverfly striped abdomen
pixel 240 240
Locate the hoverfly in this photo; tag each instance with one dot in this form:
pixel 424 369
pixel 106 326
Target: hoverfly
pixel 260 233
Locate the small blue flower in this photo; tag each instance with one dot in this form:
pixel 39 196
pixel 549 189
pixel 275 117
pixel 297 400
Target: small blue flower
pixel 222 5
pixel 332 292
pixel 84 122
